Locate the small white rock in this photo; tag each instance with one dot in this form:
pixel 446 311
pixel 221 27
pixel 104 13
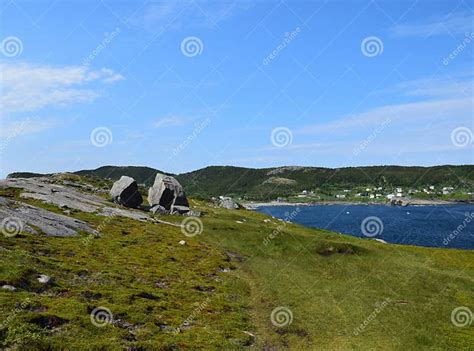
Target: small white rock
pixel 43 278
pixel 182 242
pixel 9 287
pixel 240 222
pixel 267 220
pixel 381 241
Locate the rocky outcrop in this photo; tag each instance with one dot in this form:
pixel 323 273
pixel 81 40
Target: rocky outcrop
pixel 125 192
pixel 167 195
pixel 27 218
pixel 226 202
pixel 67 198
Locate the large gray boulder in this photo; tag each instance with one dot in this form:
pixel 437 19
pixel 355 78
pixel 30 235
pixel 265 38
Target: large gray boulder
pixel 168 194
pixel 125 192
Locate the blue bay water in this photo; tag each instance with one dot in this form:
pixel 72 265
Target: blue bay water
pixel 436 226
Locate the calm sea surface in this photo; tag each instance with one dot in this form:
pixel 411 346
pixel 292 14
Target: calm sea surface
pixel 437 226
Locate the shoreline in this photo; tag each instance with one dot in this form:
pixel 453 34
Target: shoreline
pixel 414 202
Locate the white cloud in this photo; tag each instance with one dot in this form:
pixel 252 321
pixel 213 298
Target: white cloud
pixel 28 126
pixel 172 121
pixel 184 13
pixel 29 87
pixel 456 23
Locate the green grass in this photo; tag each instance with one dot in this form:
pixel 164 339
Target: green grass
pixel 331 283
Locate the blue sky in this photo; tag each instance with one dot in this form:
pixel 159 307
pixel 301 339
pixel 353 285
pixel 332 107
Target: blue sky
pixel 183 85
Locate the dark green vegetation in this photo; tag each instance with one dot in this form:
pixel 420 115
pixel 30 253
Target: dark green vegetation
pixel 270 183
pixel 228 279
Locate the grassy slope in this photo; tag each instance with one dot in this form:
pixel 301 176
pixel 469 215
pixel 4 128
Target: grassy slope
pixel 329 296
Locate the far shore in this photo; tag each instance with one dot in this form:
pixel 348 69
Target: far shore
pixel 412 202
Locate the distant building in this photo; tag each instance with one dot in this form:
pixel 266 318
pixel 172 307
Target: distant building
pixel 390 196
pixel 340 196
pixel 432 187
pixel 372 196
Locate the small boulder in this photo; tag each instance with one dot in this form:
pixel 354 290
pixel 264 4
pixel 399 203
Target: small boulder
pixel 9 287
pixel 44 279
pixel 169 194
pixel 227 202
pixel 125 192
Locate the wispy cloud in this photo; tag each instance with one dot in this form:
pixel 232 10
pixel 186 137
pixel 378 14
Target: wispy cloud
pixel 29 87
pixel 437 98
pixel 15 129
pixel 171 121
pixel 183 14
pixel 454 23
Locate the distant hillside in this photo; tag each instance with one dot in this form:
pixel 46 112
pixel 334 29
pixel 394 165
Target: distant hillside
pixel 269 183
pixel 143 175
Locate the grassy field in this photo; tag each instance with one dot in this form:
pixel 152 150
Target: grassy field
pixel 218 291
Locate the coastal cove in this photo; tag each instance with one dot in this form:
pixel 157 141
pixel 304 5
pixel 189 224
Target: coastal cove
pixel 443 226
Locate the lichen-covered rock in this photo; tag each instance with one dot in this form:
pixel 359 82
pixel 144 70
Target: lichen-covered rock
pixel 169 194
pixel 26 218
pixel 226 202
pixel 125 192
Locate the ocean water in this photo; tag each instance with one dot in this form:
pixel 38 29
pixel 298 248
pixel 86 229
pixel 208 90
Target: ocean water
pixel 449 226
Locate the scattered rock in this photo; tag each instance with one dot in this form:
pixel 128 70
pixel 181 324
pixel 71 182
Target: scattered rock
pixel 49 321
pixel 168 193
pixel 145 295
pixel 182 242
pixel 380 241
pixel 226 202
pixel 44 279
pixel 159 210
pixel 346 250
pixel 92 296
pixel 161 285
pixel 125 192
pixel 9 287
pixel 193 213
pixel 204 288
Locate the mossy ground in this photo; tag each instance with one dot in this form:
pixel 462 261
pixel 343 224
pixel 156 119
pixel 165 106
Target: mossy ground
pixel 226 282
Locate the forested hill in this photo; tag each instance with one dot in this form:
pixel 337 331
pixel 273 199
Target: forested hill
pixel 268 183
